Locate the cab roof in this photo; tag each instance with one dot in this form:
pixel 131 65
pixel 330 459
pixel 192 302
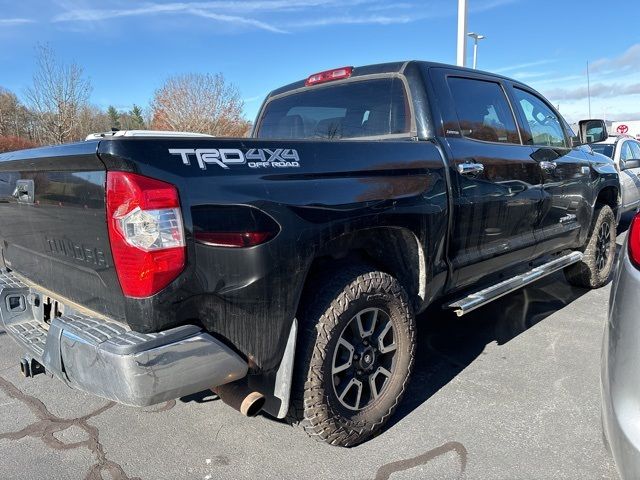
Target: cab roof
pixel 390 67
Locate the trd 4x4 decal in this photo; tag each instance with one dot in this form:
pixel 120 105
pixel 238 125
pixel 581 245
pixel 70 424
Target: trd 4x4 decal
pixel 253 158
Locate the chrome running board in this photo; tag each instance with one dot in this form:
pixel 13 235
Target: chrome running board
pixel 478 299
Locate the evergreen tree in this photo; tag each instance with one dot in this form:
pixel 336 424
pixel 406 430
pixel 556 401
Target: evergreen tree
pixel 135 114
pixel 114 117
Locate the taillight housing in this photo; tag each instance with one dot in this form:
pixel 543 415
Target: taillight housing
pixel 145 231
pixel 329 76
pixel 634 241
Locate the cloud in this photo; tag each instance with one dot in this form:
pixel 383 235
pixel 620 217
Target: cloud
pixel 313 13
pixel 234 19
pixel 14 21
pixel 598 90
pixel 528 75
pixel 355 20
pixel 558 80
pixel 389 6
pixel 629 60
pixel 200 9
pixel 489 5
pixel 520 66
pixel 231 7
pixel 621 116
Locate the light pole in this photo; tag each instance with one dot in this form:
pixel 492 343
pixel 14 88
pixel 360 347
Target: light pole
pixel 589 89
pixel 461 52
pixel 476 37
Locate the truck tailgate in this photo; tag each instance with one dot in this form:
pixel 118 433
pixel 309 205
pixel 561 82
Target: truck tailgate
pixel 53 227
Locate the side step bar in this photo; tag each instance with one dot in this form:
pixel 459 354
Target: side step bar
pixel 478 299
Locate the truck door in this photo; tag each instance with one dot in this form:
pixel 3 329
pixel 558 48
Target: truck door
pixel 566 205
pixel 496 184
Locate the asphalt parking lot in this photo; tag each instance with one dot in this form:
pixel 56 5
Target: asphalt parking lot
pixel 509 392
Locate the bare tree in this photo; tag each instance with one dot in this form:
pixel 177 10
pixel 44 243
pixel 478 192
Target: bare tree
pixel 91 119
pixel 200 103
pixel 57 97
pixel 14 117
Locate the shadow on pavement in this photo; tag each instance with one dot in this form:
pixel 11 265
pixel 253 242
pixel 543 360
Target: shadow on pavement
pixel 200 397
pixel 448 344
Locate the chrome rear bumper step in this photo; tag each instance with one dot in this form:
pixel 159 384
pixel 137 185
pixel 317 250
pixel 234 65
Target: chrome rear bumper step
pixel 478 299
pixel 108 359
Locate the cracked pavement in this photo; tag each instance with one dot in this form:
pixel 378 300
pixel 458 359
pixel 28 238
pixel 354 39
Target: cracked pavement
pixel 510 391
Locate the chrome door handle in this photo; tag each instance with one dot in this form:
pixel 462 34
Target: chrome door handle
pixel 548 166
pixel 470 168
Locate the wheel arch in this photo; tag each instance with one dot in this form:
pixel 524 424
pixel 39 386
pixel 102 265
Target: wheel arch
pixel 393 250
pixel 610 195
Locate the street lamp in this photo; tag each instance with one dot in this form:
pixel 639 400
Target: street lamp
pixel 476 37
pixel 461 51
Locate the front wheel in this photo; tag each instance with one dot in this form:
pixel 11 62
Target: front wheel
pixel 356 356
pixel 594 270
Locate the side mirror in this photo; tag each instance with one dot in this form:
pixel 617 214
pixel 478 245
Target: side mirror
pixel 592 131
pixel 628 164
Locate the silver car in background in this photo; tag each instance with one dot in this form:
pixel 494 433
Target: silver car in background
pixel 625 153
pixel 620 375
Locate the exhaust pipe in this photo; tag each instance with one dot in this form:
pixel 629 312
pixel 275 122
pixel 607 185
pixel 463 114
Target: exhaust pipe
pixel 240 397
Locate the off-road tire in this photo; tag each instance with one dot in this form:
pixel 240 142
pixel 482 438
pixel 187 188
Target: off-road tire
pixel 326 312
pixel 587 273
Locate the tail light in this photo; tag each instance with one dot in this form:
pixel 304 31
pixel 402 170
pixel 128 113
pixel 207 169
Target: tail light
pixel 634 241
pixel 145 231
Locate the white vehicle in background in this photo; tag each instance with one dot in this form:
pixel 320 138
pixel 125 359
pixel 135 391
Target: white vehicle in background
pixel 625 152
pixel 631 128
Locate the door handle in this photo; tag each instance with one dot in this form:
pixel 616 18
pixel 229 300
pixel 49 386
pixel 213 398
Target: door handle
pixel 470 168
pixel 548 166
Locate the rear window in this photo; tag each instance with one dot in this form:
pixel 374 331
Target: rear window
pixel 604 149
pixel 365 108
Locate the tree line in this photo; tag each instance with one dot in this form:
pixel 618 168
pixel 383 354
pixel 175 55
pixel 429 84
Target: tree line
pixel 56 109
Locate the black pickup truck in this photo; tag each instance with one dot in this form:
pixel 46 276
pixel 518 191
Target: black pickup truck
pixel 285 270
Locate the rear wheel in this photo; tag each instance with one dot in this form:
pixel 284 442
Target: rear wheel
pixel 357 352
pixel 597 263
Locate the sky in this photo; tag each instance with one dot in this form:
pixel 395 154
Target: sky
pixel 128 48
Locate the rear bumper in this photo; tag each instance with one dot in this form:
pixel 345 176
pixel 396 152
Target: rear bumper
pixel 107 359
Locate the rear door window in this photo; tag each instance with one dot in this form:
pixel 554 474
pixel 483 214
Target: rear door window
pixel 367 108
pixel 626 153
pixel 543 127
pixel 483 110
